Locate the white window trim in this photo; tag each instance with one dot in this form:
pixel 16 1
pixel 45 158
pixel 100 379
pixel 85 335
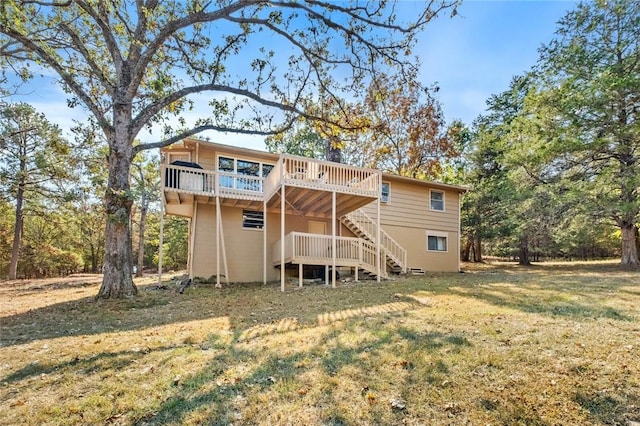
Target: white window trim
pixel 388 195
pixel 444 202
pixel 437 234
pixel 235 163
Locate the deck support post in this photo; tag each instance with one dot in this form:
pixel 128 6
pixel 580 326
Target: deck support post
pixel 326 275
pixel 162 242
pixel 378 261
pixel 218 222
pixel 333 239
pixel 282 241
pixel 459 227
pixel 192 240
pixel 264 242
pixel 300 267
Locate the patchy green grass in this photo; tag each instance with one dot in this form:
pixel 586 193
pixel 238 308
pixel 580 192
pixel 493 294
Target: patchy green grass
pixel 556 343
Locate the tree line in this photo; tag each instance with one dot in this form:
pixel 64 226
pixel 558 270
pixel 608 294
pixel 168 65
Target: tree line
pixel 52 220
pixel 554 163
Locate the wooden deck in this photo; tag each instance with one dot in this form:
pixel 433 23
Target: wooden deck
pixel 315 249
pixel 308 187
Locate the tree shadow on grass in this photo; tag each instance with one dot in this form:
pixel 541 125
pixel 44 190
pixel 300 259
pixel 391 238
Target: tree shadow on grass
pixel 246 305
pixel 545 292
pixel 214 397
pixel 610 409
pixel 84 365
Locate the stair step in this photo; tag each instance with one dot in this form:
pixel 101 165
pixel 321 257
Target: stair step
pixel 416 271
pixel 396 269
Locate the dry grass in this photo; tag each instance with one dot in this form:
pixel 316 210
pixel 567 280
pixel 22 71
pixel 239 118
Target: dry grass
pixel 501 345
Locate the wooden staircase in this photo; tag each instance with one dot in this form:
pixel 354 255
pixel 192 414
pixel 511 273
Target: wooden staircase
pixel 365 227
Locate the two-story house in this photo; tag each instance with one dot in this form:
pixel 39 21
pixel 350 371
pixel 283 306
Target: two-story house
pixel 258 216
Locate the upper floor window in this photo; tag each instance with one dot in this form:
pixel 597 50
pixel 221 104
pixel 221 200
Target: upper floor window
pixel 384 197
pixel 242 174
pixel 436 200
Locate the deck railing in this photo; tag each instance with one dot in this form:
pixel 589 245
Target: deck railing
pixel 303 172
pixel 316 249
pixel 290 170
pixel 195 181
pixel 369 228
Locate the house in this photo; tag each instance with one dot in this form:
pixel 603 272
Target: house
pixel 258 216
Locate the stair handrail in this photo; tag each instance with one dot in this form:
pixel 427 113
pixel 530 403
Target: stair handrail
pixel 368 227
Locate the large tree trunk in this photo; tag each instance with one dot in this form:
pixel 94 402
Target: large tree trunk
pixel 333 152
pixel 524 251
pixel 466 249
pixel 477 249
pixel 17 235
pixel 629 246
pixel 117 281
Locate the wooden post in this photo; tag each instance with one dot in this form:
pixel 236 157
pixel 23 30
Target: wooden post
pixel 333 239
pixel 218 285
pixel 192 242
pixel 326 275
pixel 459 228
pixel 161 243
pixel 282 242
pixel 378 228
pixel 300 267
pixel 264 241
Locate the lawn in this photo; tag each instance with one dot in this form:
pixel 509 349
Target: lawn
pixel 556 343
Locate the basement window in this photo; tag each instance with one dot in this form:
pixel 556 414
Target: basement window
pixel 437 241
pixel 252 219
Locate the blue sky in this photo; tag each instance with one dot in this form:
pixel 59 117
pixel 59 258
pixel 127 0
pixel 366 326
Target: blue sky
pixel 475 54
pixel 470 56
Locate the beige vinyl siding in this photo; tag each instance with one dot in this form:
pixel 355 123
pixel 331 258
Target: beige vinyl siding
pixel 415 242
pixel 243 246
pixel 204 243
pixel 407 218
pixel 209 158
pixel 409 207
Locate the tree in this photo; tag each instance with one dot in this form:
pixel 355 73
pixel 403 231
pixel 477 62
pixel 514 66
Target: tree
pixel 408 134
pixel 35 162
pixel 6 222
pixel 301 139
pixel 488 210
pixel 589 92
pixel 137 65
